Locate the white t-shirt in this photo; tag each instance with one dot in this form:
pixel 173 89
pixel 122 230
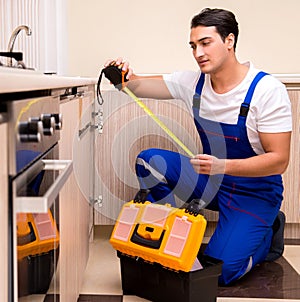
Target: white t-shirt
pixel 270 108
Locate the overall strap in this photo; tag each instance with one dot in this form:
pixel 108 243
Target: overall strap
pixel 197 95
pixel 246 104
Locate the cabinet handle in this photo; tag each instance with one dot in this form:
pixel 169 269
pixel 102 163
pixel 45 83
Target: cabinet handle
pixel 84 129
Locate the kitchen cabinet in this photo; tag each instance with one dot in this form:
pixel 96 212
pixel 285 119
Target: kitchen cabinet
pixel 4 218
pixel 127 130
pixel 74 98
pixel 75 222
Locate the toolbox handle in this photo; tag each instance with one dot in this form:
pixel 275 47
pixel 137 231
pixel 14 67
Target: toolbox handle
pixel 138 239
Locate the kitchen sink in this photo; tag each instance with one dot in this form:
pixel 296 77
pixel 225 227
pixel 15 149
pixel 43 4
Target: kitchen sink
pixel 25 71
pixel 17 56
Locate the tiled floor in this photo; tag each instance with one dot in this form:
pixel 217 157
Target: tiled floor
pixel 277 281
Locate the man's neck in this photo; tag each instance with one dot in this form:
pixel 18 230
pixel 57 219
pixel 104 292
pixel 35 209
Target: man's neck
pixel 229 77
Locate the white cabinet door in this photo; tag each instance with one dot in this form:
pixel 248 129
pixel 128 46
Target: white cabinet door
pixel 75 221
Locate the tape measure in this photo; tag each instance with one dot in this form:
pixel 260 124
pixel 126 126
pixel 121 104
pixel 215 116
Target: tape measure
pixel 118 77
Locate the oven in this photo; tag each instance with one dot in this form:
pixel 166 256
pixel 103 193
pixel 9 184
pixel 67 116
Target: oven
pixel 36 177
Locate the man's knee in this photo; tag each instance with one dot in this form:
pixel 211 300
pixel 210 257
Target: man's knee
pixel 143 154
pixel 233 270
pixel 147 154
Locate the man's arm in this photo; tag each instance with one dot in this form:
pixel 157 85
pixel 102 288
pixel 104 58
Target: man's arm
pixel 149 87
pixel 274 161
pixel 142 86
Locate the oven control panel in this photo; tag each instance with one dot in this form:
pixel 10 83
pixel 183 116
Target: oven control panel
pixel 34 127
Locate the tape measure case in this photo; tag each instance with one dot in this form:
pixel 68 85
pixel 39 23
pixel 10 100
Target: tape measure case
pixel 159 233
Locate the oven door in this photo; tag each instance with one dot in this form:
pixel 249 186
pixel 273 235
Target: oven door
pixel 35 200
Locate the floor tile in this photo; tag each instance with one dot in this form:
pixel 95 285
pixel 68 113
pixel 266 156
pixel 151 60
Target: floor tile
pixel 230 299
pixel 32 298
pixel 134 299
pixel 292 255
pixel 276 280
pixel 51 298
pixel 102 275
pixel 100 298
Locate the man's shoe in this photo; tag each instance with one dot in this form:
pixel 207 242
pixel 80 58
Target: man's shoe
pixel 277 245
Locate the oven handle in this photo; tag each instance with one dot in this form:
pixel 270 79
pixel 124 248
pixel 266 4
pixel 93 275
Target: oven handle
pixel 41 204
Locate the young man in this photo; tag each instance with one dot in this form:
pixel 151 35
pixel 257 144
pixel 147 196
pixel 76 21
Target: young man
pixel 243 117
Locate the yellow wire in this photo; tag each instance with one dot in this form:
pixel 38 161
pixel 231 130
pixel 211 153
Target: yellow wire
pixel 158 121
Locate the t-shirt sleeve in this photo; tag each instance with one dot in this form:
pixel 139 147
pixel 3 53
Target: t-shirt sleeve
pixel 181 84
pixel 275 113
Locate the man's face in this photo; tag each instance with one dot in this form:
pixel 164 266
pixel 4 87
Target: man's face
pixel 209 50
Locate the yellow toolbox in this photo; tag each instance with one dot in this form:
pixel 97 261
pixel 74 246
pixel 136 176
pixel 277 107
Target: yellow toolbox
pixel 159 233
pixel 36 234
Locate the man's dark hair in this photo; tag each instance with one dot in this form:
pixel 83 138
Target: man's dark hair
pixel 223 20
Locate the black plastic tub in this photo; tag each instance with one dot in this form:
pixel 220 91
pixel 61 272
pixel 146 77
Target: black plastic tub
pixel 153 282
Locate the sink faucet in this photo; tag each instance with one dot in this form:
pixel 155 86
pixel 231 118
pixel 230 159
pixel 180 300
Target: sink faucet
pixel 13 37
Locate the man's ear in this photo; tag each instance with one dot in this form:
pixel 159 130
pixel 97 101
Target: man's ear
pixel 230 39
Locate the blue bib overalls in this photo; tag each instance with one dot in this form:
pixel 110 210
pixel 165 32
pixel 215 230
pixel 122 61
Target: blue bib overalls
pixel 247 206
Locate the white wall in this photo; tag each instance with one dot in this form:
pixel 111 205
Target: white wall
pixel 153 35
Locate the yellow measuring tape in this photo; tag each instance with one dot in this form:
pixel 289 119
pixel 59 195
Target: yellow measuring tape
pixel 158 121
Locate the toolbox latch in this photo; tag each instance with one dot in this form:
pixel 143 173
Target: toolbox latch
pixel 141 196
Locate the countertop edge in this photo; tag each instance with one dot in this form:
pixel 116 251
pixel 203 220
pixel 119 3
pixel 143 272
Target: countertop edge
pixel 15 82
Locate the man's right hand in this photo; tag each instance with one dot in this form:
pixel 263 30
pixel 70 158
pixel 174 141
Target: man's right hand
pixel 142 86
pixel 124 65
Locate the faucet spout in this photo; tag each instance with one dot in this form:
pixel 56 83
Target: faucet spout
pixel 13 37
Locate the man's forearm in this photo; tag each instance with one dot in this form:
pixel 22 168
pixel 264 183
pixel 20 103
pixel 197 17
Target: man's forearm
pixel 148 87
pixel 257 166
